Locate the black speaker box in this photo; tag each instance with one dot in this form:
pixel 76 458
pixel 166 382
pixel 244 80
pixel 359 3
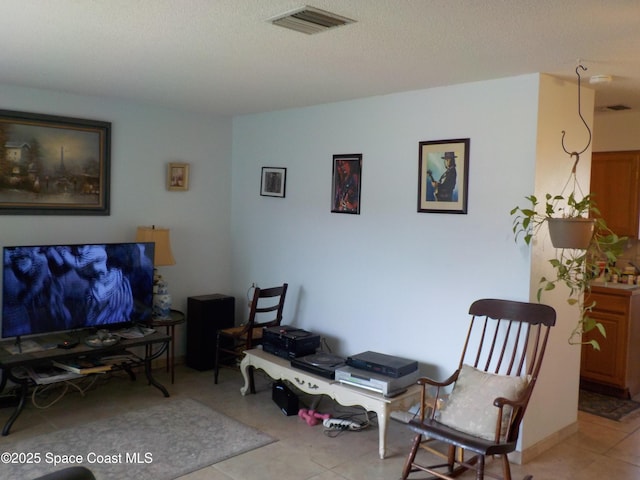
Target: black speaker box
pixel 206 314
pixel 286 400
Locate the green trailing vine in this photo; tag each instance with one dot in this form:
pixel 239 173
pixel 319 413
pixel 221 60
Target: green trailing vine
pixel 572 267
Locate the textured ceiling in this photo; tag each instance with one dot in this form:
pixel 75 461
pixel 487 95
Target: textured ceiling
pixel 223 57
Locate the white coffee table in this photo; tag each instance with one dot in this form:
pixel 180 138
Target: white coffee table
pixel 281 369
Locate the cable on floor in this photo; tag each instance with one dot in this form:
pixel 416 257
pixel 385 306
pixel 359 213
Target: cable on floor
pixel 41 390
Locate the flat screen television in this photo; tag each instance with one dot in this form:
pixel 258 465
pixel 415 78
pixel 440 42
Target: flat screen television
pixel 52 288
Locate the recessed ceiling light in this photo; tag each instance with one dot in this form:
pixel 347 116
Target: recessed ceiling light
pixel 310 20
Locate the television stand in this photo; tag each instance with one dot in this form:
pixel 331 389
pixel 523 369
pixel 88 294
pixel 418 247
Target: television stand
pixel 154 345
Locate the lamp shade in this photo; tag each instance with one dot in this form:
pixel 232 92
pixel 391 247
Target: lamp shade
pixel 159 236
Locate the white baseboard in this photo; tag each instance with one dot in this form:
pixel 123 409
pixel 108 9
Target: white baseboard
pixel 529 453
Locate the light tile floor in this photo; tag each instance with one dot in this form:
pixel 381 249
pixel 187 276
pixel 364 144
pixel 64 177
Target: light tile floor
pixel 601 449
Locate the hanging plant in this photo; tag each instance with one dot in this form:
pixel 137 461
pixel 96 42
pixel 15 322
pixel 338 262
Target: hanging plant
pixel 573 266
pixel 575 263
pixel 571 232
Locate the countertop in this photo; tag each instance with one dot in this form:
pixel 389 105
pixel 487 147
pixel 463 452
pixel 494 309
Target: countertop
pixel 618 288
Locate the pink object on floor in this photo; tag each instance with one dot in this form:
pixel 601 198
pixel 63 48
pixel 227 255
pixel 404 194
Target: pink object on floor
pixel 312 417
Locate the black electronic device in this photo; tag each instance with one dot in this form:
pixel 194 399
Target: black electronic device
pixel 383 364
pixel 286 400
pixel 321 363
pixel 55 288
pixel 68 344
pixel 284 353
pixel 294 341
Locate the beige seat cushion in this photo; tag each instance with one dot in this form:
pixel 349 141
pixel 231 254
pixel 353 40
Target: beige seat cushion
pixel 470 406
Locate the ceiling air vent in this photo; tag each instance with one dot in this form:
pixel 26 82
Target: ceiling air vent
pixel 618 107
pixel 310 20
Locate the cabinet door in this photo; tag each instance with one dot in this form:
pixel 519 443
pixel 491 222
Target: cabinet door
pixel 614 186
pixel 607 365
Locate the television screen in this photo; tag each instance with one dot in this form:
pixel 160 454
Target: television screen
pixel 53 288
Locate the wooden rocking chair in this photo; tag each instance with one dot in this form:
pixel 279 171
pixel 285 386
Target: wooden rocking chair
pixel 498 369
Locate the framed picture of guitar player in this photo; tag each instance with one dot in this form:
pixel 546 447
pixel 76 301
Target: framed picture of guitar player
pixel 443 176
pixel 345 186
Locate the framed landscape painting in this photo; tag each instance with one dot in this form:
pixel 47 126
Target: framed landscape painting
pixel 51 165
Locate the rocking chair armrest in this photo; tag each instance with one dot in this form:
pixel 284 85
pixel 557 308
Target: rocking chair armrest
pixel 515 416
pixel 519 402
pixel 430 403
pixel 426 381
pixel 434 383
pixel 500 402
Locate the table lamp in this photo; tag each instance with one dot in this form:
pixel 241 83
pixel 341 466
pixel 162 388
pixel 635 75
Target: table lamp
pixel 163 257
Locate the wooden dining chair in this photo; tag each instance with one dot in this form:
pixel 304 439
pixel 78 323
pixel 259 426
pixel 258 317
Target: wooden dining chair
pixel 489 392
pixel 265 310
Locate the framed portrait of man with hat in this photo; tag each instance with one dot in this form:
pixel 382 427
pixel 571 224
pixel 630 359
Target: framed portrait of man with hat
pixel 443 176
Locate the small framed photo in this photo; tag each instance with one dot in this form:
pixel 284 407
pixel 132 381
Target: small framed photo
pixel 178 176
pixel 345 187
pixel 273 182
pixel 443 176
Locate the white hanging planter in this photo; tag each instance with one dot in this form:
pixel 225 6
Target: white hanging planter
pixel 574 232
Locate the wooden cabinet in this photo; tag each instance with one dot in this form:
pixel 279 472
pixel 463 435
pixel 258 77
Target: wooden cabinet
pixel 615 368
pixel 614 186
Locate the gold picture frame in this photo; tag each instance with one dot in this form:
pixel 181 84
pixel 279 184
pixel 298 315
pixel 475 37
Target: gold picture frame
pixel 178 177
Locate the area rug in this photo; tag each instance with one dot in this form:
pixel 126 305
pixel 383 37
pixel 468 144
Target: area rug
pixel 161 442
pixel 605 406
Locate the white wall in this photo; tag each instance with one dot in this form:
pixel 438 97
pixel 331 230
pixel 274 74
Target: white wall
pixel 389 279
pixel 144 140
pixel 556 396
pixel 616 131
